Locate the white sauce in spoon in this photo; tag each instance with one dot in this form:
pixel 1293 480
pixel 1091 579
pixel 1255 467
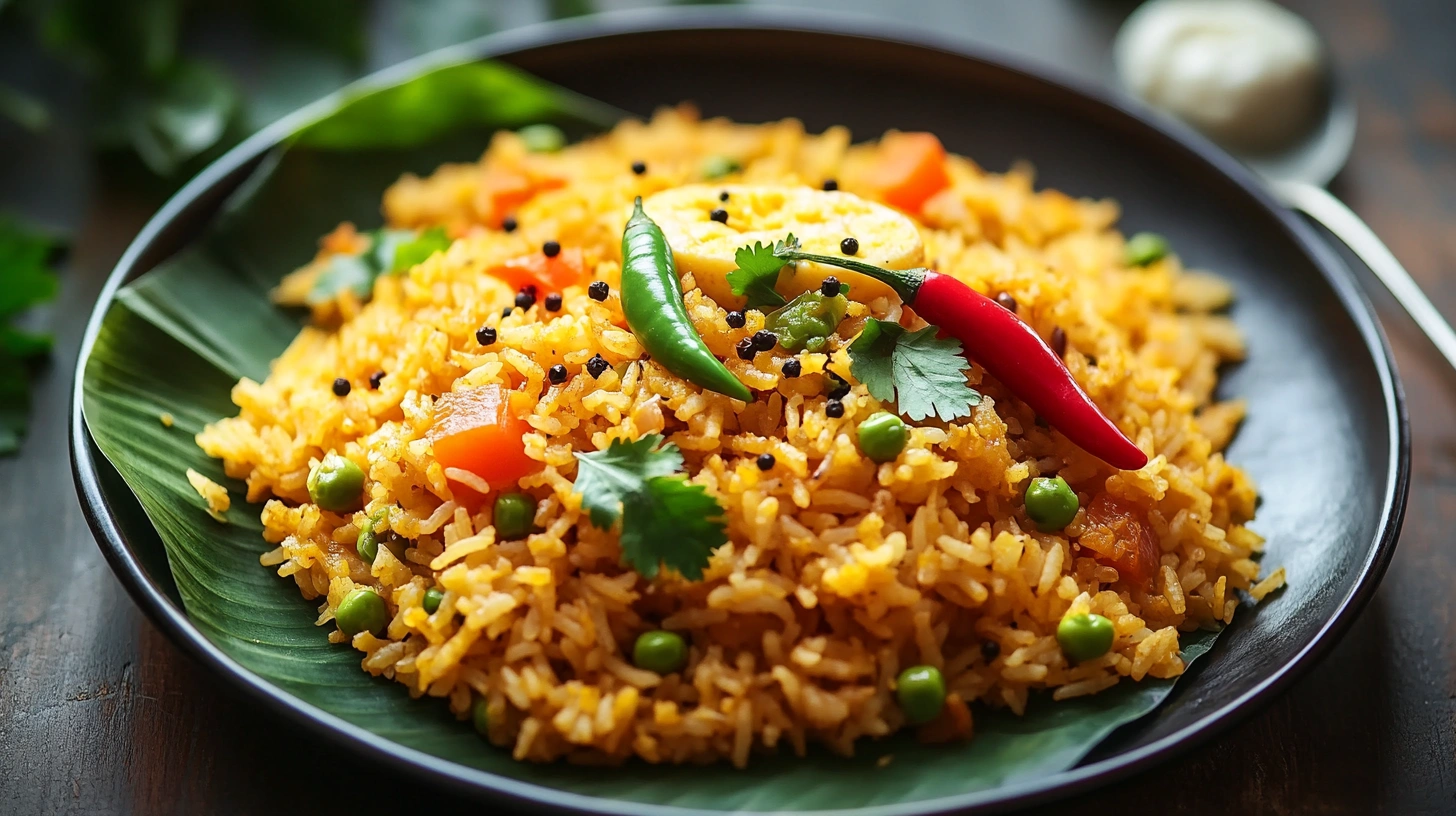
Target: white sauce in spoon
pixel 1247 73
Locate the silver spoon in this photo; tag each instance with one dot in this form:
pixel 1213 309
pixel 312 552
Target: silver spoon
pixel 1298 177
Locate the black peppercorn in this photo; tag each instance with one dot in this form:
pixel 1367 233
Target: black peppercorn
pixel 525 299
pixel 598 291
pixel 765 340
pixel 375 379
pixel 838 386
pixel 792 368
pixel 720 215
pixel 830 185
pixel 341 387
pixel 735 320
pixel 990 650
pixel 551 249
pixel 639 167
pixel 745 349
pixel 597 366
pixel 834 409
pixel 723 196
pixel 553 302
pixel 830 286
pixel 557 374
pixel 849 246
pixel 1007 301
pixel 1059 341
pixel 485 335
pixel 766 461
pixel 509 223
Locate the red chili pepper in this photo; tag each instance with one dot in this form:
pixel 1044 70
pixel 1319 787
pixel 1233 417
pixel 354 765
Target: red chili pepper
pixel 1008 349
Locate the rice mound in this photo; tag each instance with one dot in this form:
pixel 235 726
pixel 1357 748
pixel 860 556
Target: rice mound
pixel 839 572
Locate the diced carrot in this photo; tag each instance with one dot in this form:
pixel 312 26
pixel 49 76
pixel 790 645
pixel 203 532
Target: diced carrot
pixel 476 430
pixel 503 191
pixel 546 274
pixel 1117 534
pixel 344 240
pixel 909 170
pixel 953 724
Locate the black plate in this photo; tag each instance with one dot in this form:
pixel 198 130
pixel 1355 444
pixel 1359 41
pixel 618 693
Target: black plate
pixel 1326 439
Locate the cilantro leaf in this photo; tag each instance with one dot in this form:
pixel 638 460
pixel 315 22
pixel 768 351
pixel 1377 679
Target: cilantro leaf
pixel 672 522
pixel 665 518
pixel 870 357
pixel 758 271
pixel 922 373
pixel 606 479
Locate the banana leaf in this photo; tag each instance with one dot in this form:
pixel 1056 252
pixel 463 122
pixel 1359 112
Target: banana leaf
pixel 176 340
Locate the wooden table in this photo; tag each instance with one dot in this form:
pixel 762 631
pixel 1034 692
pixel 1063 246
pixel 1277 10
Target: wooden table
pixel 99 713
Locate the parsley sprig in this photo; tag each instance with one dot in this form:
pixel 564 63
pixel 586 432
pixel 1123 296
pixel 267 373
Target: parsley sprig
pixel 758 271
pixel 923 374
pixel 25 281
pixel 390 251
pixel 666 520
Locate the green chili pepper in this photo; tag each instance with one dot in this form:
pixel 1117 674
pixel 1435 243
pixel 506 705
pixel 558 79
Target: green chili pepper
pixel 807 318
pixel 652 301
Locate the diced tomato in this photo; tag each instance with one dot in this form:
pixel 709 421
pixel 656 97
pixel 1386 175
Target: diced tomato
pixel 909 169
pixel 475 430
pixel 546 274
pixel 1117 534
pixel 502 192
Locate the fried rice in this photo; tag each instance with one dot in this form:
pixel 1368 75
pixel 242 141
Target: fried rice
pixel 839 572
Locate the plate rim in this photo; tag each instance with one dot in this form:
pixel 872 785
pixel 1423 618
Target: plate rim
pixel 173 621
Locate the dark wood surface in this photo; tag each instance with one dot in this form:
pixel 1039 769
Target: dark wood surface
pixel 99 713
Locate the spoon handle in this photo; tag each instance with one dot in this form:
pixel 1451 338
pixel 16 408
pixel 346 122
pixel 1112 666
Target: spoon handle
pixel 1318 204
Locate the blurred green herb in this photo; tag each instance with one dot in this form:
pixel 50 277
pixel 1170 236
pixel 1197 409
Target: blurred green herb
pixel 389 252
pixel 25 281
pixel 175 109
pixel 569 8
pixel 27 111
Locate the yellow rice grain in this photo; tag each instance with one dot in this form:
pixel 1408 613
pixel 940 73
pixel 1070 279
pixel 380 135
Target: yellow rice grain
pixel 839 572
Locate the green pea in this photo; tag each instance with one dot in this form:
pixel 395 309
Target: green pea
pixel 361 611
pixel 1145 248
pixel 367 544
pixel 480 717
pixel 542 138
pixel 514 514
pixel 920 691
pixel 433 596
pixel 1051 503
pixel 1084 637
pixel 882 436
pixel 659 651
pixel 715 167
pixel 336 484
